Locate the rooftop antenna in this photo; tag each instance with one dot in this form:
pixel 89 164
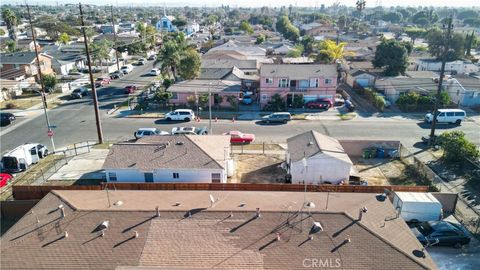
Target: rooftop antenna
pixel 362 211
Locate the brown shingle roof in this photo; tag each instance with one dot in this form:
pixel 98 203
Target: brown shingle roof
pixel 174 151
pixel 298 71
pixel 224 236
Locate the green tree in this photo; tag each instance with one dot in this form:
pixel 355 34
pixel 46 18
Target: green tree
pixel 245 26
pixel 425 17
pixel 328 51
pixel 260 39
pixel 203 100
pixel 190 63
pixel 296 51
pixel 10 20
pixel 414 32
pixel 179 22
pixel 64 38
pixel 393 17
pixel 163 97
pixel 288 30
pixel 2 32
pixel 437 41
pixel 211 19
pixel 11 46
pixel 456 147
pixel 308 43
pixel 49 81
pixel 101 50
pixel 169 57
pixel 392 55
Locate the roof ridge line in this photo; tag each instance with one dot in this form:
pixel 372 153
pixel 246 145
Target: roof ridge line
pixel 201 149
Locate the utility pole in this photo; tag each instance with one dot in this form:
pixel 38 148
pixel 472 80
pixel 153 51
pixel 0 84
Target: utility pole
pixel 440 80
pixel 114 37
pixel 44 98
pixel 210 109
pixel 92 82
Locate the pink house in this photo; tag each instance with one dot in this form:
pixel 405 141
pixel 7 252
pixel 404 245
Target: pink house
pixel 310 80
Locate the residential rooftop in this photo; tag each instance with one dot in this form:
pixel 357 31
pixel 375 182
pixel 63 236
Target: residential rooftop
pixel 191 231
pixel 298 71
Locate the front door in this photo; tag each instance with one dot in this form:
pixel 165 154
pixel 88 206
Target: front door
pixel 148 177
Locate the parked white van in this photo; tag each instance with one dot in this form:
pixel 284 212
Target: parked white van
pixel 447 116
pixel 23 156
pixel 126 69
pixel 180 115
pixel 417 206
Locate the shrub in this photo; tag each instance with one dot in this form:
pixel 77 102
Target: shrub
pixel 277 103
pixel 456 147
pixel 298 101
pixel 233 100
pixel 191 101
pixel 10 105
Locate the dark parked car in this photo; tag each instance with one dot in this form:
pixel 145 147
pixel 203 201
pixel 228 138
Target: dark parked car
pixel 79 93
pixel 6 119
pixel 349 105
pixel 116 75
pixel 323 103
pixel 278 117
pixel 446 233
pixel 130 89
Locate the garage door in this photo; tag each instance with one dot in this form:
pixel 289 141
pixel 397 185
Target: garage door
pixel 362 82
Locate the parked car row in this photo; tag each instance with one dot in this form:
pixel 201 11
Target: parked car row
pixel 142 132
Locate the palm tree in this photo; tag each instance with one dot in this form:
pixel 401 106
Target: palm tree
pixel 11 21
pixel 169 57
pixel 330 52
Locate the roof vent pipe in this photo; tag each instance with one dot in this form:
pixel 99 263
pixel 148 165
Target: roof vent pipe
pixel 65 235
pixel 158 211
pixel 135 234
pixel 361 212
pixel 257 215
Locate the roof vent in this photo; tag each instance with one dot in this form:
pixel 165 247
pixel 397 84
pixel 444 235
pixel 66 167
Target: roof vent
pixel 176 204
pixel 118 203
pixel 179 143
pixel 316 227
pixel 103 225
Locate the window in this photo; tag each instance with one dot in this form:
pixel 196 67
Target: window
pixel 174 96
pixel 450 114
pixel 176 175
pixel 441 114
pixel 264 96
pixel 459 114
pixel 17 66
pixel 216 178
pixel 112 176
pixel 268 80
pixel 328 81
pixel 313 83
pixel 283 83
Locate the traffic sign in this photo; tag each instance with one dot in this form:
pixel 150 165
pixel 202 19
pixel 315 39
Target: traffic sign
pixel 52 126
pixel 50 133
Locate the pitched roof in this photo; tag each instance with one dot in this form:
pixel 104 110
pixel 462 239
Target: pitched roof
pixel 229 63
pixel 312 143
pixel 204 86
pixel 173 151
pixel 298 71
pixel 18 58
pixel 195 235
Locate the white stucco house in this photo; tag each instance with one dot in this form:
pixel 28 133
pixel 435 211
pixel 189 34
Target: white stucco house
pixel 172 158
pixel 317 158
pixel 456 67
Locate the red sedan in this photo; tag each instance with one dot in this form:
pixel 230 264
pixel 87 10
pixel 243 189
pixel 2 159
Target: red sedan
pixel 239 137
pixel 322 103
pixel 4 179
pixel 101 81
pixel 130 89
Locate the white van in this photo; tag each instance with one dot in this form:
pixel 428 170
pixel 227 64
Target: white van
pixel 180 115
pixel 417 206
pixel 447 116
pixel 23 156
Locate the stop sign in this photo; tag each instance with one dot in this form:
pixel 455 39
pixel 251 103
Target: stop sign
pixel 50 133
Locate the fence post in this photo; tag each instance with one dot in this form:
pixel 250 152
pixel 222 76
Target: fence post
pixel 242 148
pixel 75 147
pixel 65 156
pixel 263 148
pixel 43 177
pixel 88 146
pixel 55 164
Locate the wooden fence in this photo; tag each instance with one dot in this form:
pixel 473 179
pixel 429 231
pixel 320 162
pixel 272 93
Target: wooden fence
pixel 38 192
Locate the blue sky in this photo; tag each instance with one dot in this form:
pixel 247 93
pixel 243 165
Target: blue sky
pixel 256 3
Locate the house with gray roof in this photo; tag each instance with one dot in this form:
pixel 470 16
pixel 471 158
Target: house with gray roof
pixel 186 229
pixel 65 58
pixel 172 158
pixel 393 87
pixel 23 66
pixel 464 90
pixel 317 159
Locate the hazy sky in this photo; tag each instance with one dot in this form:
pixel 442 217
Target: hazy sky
pixel 256 3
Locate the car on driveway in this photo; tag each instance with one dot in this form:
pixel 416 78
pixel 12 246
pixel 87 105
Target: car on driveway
pixel 130 89
pixel 142 132
pixel 240 137
pixel 247 99
pixel 189 131
pixel 102 81
pixel 5 178
pixel 79 93
pixel 278 117
pixel 6 118
pixel 154 72
pixel 126 69
pixel 322 103
pixel 142 62
pixel 445 232
pixel 180 115
pixel 152 57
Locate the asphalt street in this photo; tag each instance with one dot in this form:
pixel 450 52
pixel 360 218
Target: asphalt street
pixel 75 122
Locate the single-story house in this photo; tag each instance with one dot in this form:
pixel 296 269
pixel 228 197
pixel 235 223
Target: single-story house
pixel 464 90
pixel 205 229
pixel 65 58
pixel 393 87
pixel 249 67
pixel 454 67
pixel 317 158
pixel 23 66
pixel 361 78
pixel 11 88
pixel 172 158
